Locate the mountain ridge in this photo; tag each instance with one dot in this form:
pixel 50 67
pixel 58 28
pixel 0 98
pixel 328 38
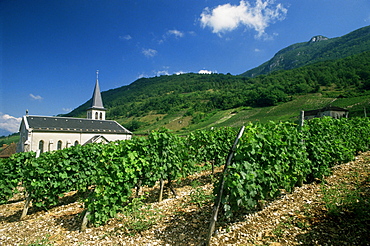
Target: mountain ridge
pixel 318 48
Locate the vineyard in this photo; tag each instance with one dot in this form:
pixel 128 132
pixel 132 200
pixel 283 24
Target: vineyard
pixel 269 159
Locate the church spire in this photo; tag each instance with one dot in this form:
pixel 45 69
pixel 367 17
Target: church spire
pixel 97 102
pixel 96 110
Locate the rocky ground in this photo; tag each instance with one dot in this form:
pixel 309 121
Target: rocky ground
pixel 334 211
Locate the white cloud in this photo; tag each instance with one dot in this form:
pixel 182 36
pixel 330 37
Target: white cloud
pixel 142 75
pixel 257 50
pixel 36 97
pixel 171 33
pixel 125 37
pixel 227 17
pixel 9 123
pixel 203 71
pixel 367 19
pixel 180 72
pixel 161 72
pixel 67 109
pixel 149 52
pixel 176 33
pixel 192 33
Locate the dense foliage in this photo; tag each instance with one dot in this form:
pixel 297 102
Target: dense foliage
pixel 278 156
pixel 11 171
pixel 269 158
pixel 105 174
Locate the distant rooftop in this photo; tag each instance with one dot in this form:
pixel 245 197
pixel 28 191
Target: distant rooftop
pixel 8 150
pixel 328 108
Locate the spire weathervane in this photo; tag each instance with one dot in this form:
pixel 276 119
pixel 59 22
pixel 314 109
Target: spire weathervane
pixel 97 74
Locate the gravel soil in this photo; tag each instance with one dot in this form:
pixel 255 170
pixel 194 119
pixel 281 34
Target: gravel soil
pixel 333 211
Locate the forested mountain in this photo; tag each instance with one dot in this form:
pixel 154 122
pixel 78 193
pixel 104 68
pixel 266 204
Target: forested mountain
pixel 190 100
pixel 196 95
pixel 319 48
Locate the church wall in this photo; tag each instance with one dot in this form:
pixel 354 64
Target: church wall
pixel 23 138
pixel 51 140
pixel 67 139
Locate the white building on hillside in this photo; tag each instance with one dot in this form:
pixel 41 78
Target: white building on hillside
pixel 47 133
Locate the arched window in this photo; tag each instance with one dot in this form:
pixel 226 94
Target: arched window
pixel 76 143
pixel 59 145
pixel 101 116
pixel 41 146
pixel 96 115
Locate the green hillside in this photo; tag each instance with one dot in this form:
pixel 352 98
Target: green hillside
pixel 191 101
pixel 317 49
pixel 7 140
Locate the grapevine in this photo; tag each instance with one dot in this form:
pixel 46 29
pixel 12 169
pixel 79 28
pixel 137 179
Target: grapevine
pixel 268 159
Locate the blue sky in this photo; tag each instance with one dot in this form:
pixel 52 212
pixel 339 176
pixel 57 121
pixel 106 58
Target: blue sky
pixel 50 50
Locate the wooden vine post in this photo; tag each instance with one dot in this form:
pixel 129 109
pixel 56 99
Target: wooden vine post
pixel 301 119
pixel 217 204
pixel 26 206
pixel 28 197
pixel 301 124
pixel 161 187
pixel 85 220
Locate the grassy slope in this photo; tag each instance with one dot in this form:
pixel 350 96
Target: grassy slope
pixel 237 117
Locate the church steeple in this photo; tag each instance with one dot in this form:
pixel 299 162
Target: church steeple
pixel 97 102
pixel 96 110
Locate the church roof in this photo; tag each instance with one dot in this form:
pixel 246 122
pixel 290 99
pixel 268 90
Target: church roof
pixel 67 124
pixel 97 101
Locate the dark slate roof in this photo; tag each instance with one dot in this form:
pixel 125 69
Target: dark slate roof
pixel 328 108
pixel 66 124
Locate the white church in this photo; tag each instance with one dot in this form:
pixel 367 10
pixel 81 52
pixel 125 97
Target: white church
pixel 45 133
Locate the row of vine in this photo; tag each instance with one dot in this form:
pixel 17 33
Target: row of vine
pixel 279 156
pixel 106 174
pixel 269 158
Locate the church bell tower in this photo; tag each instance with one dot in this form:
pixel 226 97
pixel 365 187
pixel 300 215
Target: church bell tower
pixel 96 110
